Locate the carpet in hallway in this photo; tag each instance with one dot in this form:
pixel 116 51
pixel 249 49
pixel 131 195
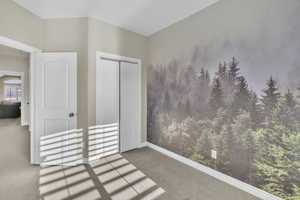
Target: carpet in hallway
pixel 19 179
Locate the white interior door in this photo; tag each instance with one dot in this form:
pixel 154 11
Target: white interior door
pixel 129 106
pixel 56 93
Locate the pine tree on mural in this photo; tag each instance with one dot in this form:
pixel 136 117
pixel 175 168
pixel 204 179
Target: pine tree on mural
pixel 204 78
pixel 250 152
pixel 241 97
pixel 202 93
pixel 228 142
pixel 289 100
pixel 233 73
pixel 221 119
pixel 241 128
pixel 286 114
pixel 202 75
pixel 216 100
pixel 230 78
pixel 270 99
pixel 222 71
pixel 255 111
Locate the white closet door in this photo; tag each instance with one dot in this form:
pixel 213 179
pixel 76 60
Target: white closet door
pixel 104 137
pixel 129 106
pixel 107 92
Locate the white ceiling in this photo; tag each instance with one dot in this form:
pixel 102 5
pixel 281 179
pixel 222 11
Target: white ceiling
pixel 141 16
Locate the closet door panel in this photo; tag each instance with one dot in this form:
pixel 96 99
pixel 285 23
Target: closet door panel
pixel 129 106
pixel 103 139
pixel 107 92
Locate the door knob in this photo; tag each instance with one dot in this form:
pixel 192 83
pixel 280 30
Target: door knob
pixel 71 114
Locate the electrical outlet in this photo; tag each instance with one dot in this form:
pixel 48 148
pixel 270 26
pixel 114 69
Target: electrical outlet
pixel 214 154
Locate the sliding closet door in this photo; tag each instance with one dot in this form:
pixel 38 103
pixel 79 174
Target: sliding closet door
pixel 129 106
pixel 104 137
pixel 107 92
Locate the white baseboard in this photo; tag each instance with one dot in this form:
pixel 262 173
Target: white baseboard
pixel 218 175
pixel 25 124
pixel 144 144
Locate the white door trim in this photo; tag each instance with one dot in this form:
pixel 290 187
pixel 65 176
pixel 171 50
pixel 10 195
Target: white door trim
pixel 119 58
pixel 17 45
pixel 32 50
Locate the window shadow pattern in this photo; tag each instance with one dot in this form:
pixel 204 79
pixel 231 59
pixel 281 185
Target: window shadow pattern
pixel 107 176
pixel 64 148
pixel 123 181
pixel 66 183
pixel 103 140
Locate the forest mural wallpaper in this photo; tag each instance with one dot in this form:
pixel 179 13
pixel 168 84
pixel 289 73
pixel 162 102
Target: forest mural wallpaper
pixel 241 100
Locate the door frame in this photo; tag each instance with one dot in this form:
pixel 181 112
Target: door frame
pixel 34 154
pixel 119 58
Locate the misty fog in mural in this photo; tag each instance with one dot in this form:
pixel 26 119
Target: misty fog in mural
pixel 253 126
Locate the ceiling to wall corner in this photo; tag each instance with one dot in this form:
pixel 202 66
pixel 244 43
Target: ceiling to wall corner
pixel 145 17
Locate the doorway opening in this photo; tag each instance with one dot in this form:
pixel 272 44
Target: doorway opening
pixel 14 106
pixel 16 65
pixel 14 92
pixel 14 85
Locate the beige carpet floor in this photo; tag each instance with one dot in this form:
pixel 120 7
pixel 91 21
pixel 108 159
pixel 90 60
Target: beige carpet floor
pixel 109 178
pixel 19 179
pixel 180 181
